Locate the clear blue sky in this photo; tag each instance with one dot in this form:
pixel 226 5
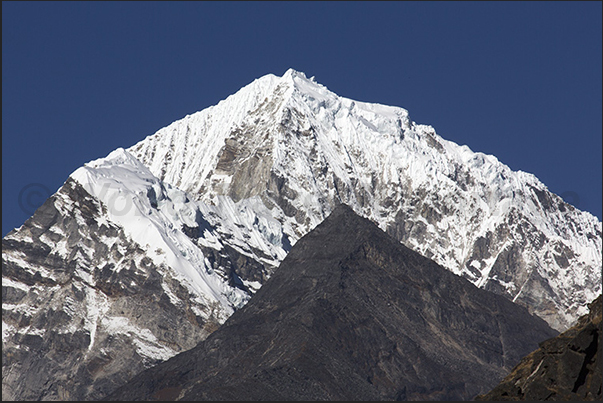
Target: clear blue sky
pixel 519 80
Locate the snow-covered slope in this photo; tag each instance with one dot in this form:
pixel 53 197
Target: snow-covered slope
pixel 301 149
pixel 117 272
pixel 173 230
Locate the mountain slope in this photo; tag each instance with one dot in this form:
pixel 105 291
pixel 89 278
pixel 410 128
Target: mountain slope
pixel 567 367
pixel 351 314
pixel 302 149
pixel 117 272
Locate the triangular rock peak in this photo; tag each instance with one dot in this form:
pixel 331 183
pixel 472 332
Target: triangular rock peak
pixel 351 314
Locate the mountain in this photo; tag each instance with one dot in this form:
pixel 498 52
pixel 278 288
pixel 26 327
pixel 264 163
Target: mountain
pixel 567 367
pixel 301 149
pixel 352 314
pixel 143 253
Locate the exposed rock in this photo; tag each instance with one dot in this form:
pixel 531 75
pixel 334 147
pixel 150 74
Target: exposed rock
pixel 94 291
pixel 566 367
pixel 351 314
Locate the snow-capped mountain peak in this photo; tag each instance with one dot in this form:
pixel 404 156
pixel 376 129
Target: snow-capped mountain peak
pixel 302 148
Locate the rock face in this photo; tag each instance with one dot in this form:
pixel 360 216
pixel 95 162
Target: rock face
pixel 352 314
pixel 567 367
pixel 76 317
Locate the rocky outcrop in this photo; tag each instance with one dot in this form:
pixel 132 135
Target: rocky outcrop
pixel 352 314
pixel 567 367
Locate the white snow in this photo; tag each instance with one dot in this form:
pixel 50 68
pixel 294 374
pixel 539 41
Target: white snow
pixel 153 215
pixel 370 156
pixel 7 331
pixel 147 345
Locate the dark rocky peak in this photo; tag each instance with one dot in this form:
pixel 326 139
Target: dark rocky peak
pixel 351 314
pixel 566 367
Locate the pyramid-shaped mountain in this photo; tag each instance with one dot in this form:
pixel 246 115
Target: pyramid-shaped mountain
pixel 352 314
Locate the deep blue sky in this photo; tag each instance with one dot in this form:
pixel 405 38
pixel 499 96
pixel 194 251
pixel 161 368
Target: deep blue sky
pixel 519 80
